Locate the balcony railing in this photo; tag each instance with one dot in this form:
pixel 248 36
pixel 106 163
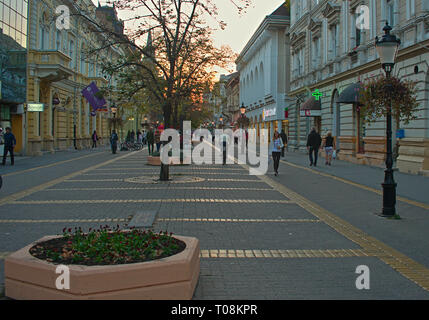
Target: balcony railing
pixel 49 57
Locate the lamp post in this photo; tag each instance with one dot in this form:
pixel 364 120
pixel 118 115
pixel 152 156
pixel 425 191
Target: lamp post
pixel 387 48
pixel 243 119
pixel 114 109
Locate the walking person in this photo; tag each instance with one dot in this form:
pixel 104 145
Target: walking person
pixel 158 133
pixel 132 136
pixel 276 151
pixel 284 140
pixel 139 137
pixel 114 141
pixel 329 146
pixel 150 140
pixel 94 139
pixel 9 145
pixel 313 145
pixel 144 137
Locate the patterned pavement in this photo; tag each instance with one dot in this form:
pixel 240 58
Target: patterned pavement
pixel 259 238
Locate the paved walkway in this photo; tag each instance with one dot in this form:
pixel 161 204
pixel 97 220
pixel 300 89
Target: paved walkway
pixel 297 236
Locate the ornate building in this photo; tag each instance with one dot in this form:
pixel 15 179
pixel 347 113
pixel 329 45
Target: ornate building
pixel 333 49
pixel 13 71
pixel 58 69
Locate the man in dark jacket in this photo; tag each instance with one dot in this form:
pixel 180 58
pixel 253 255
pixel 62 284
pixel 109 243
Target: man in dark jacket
pixel 283 136
pixel 313 145
pixel 9 144
pixel 114 141
pixel 150 140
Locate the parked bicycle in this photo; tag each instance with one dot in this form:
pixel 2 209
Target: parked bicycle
pixel 130 146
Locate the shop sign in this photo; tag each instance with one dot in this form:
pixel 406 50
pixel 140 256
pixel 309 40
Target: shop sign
pixel 35 107
pixel 311 113
pixel 269 113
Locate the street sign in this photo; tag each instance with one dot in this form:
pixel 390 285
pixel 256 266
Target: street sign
pixel 400 134
pixel 35 107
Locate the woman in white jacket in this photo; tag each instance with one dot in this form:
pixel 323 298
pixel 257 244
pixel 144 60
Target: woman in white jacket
pixel 276 151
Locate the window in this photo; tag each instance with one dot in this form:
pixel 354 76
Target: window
pixel 82 61
pixel 357 37
pixel 333 41
pixel 316 52
pixel 43 37
pixel 58 41
pixel 390 12
pixel 411 5
pixel 91 69
pixel 71 53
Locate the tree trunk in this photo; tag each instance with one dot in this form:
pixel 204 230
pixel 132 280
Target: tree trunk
pixel 164 174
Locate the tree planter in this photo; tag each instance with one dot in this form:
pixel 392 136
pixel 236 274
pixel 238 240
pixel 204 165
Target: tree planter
pixel 154 161
pixel 175 277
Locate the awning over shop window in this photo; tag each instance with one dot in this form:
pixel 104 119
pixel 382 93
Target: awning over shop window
pixel 351 94
pixel 311 108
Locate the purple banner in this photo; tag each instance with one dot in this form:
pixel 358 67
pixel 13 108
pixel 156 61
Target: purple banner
pixel 90 95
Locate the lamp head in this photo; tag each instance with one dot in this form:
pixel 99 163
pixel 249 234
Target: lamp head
pixel 387 48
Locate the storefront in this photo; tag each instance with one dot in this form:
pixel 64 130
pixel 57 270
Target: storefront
pixel 311 110
pixel 13 68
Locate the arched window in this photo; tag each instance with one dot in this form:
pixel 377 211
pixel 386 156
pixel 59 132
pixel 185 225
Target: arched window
pixel 262 76
pixel 71 53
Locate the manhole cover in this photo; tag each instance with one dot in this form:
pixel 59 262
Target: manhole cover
pixel 173 179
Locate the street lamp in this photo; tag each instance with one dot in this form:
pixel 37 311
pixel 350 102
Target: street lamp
pixel 114 109
pixel 387 48
pixel 242 109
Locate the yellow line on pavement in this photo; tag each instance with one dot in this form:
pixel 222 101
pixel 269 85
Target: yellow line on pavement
pixel 64 220
pixel 45 202
pixel 358 185
pixel 409 268
pixel 191 169
pixel 123 180
pixel 162 188
pixel 236 220
pixel 49 165
pixel 296 254
pixel 172 173
pixel 95 180
pixel 19 195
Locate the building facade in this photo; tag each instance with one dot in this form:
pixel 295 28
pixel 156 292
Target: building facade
pixel 232 89
pixel 333 52
pixel 54 68
pixel 13 67
pixel 264 73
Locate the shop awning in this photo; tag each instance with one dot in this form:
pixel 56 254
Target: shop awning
pixel 311 107
pixel 351 94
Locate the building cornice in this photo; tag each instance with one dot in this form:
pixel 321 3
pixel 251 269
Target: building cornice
pixel 269 23
pixel 406 53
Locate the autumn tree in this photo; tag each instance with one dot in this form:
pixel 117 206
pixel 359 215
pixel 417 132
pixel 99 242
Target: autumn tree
pixel 173 49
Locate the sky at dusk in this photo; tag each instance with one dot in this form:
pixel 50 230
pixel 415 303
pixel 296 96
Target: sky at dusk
pixel 240 28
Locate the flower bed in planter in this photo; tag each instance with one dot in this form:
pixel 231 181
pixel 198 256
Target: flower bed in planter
pixel 125 267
